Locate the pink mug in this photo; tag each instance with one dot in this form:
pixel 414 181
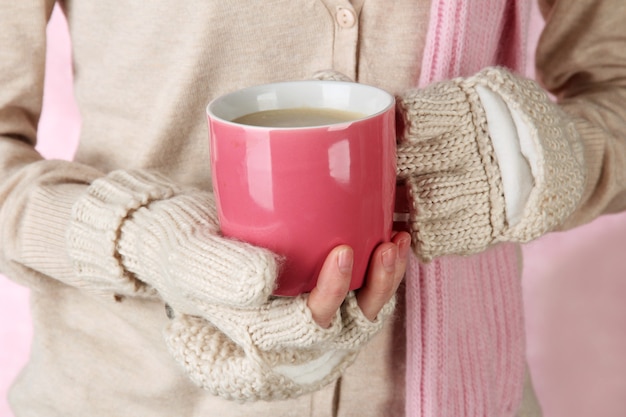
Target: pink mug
pixel 301 191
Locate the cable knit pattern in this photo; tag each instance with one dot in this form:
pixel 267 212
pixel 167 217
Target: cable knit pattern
pixel 246 354
pixel 448 162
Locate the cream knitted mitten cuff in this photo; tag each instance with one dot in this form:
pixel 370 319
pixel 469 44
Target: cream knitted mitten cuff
pixel 273 352
pixel 448 161
pixel 134 233
pixel 331 75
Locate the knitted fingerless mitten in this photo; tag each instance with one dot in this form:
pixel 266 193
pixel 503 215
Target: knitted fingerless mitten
pixel 331 75
pixel 273 352
pixel 448 161
pixel 135 232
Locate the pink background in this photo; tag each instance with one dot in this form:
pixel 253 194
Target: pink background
pixel 574 288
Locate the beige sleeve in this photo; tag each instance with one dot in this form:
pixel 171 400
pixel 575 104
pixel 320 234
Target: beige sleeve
pixel 581 59
pixel 36 195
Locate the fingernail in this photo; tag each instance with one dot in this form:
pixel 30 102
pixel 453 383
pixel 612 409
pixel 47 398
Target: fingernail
pixel 345 261
pixel 389 259
pixel 403 247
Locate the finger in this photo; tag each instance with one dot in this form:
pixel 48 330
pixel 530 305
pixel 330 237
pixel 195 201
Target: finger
pixel 332 286
pixel 403 240
pixel 386 271
pixel 379 284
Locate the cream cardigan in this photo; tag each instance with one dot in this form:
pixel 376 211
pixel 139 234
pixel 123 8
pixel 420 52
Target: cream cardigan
pixel 143 75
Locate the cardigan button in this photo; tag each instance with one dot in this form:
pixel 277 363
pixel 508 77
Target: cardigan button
pixel 345 18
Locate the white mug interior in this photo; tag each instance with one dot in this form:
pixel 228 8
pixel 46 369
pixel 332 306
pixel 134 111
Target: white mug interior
pixel 340 95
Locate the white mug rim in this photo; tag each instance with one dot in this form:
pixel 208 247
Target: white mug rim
pixel 231 103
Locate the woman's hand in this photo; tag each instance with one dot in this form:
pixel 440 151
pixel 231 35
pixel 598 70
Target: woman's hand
pixel 385 273
pixel 454 134
pixel 290 346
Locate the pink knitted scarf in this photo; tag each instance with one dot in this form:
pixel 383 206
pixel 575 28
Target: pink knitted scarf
pixel 465 353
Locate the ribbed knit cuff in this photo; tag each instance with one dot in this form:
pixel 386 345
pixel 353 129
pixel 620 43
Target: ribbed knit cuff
pixel 282 323
pixel 95 228
pixel 43 244
pixel 449 165
pixel 452 173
